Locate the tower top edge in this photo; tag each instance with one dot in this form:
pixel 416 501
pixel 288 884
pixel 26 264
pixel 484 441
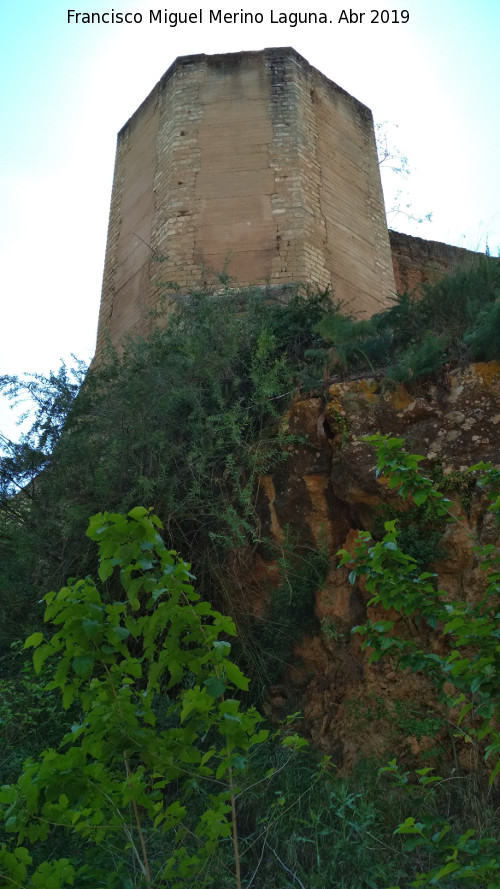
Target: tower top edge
pixel 228 62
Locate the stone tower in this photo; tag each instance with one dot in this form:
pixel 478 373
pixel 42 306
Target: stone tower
pixel 253 161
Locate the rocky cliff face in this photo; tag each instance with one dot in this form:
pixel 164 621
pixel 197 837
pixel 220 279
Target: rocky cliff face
pixel 324 492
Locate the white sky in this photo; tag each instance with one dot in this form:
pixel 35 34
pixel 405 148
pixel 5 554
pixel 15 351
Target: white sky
pixel 66 90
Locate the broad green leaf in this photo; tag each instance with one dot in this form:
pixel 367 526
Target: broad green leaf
pixel 33 640
pixel 215 686
pixel 120 633
pixel 132 667
pixel 83 666
pixel 447 869
pixel 222 648
pixel 138 512
pixel 235 675
pixel 68 696
pixel 409 826
pixel 40 655
pixel 90 627
pixel 105 569
pixel 494 772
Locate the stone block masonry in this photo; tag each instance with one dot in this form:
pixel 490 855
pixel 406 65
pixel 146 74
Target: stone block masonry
pixel 254 162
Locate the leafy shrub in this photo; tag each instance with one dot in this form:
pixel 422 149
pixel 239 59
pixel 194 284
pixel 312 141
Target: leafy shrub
pixel 115 777
pixel 450 321
pixel 268 641
pixel 483 340
pixel 452 305
pixel 186 419
pixel 422 361
pixel 164 779
pixel 467 661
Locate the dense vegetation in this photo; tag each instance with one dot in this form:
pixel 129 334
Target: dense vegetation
pixel 187 420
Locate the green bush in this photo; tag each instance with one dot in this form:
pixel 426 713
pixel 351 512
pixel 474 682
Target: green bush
pixel 267 642
pixel 116 778
pixel 441 324
pixel 185 426
pixel 164 779
pixel 186 419
pixel 419 361
pixel 449 322
pixel 483 339
pixel 468 661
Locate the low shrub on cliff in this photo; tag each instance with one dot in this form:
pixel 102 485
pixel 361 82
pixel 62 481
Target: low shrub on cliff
pixel 186 419
pixel 483 340
pixel 454 320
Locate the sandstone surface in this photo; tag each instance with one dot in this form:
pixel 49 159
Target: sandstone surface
pixel 325 492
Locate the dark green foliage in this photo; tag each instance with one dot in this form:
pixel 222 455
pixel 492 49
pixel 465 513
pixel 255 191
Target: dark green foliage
pixel 483 339
pixel 164 779
pixel 452 305
pixel 316 828
pixel 189 418
pixel 346 337
pixel 50 399
pixel 419 533
pixel 267 642
pixel 420 539
pixel 185 420
pixel 452 321
pixel 115 778
pixel 464 668
pixel 30 717
pixel 440 326
pixel 421 361
pixel 294 323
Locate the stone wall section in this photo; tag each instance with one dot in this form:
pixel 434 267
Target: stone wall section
pixel 178 166
pixel 126 280
pixel 351 200
pixel 301 245
pixel 234 227
pixel 108 282
pixel 416 261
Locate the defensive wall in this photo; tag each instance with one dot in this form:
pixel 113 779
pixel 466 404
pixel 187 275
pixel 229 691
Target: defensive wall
pixel 417 261
pixel 258 163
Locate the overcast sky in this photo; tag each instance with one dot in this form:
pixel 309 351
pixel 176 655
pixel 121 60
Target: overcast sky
pixel 67 88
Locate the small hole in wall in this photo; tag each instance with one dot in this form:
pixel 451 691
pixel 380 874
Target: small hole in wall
pixel 182 133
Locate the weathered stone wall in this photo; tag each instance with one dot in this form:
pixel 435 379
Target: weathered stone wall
pixel 255 158
pixel 416 261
